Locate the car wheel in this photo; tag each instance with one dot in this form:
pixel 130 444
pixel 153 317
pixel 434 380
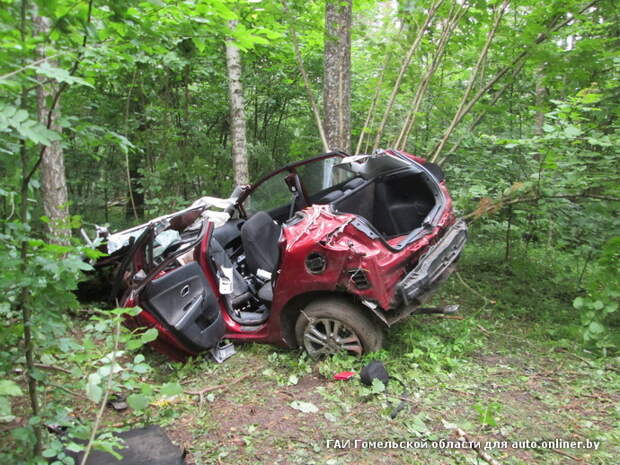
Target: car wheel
pixel 328 326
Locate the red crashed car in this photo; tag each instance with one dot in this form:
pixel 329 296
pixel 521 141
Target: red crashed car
pixel 323 253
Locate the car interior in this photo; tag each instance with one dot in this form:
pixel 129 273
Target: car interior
pixel 394 204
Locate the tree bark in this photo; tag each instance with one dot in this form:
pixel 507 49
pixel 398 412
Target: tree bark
pixel 53 180
pixel 337 74
pixel 237 112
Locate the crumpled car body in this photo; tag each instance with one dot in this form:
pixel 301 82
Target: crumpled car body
pixel 325 254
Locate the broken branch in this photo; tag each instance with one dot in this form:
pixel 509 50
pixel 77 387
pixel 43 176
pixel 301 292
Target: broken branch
pixel 371 111
pixel 483 455
pixel 223 387
pixel 492 207
pixel 51 367
pixel 462 112
pixel 455 15
pixel 560 452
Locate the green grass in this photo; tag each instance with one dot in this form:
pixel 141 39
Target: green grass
pixel 511 367
pixel 511 370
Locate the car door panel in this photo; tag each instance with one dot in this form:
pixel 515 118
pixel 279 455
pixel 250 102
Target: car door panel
pixel 184 301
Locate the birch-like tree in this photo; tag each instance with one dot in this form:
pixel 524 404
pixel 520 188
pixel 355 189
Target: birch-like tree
pixel 53 180
pixel 237 111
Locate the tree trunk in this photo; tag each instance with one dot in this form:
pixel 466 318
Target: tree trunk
pixel 237 113
pixel 337 74
pixel 541 94
pixel 53 181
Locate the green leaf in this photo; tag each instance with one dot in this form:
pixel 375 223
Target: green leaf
pixel 596 328
pixel 137 401
pixel 49 453
pixel 141 368
pixel 9 388
pixel 134 344
pixel 75 447
pixel 144 338
pixel 149 336
pixel 417 425
pixel 171 389
pixel 572 131
pixel 199 43
pixel 5 410
pixel 60 75
pixel 305 407
pixel 377 386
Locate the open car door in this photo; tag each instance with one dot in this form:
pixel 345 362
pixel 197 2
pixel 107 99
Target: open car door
pixel 183 300
pixel 163 274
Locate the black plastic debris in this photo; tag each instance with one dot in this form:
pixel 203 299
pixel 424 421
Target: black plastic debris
pixel 374 370
pixel 144 446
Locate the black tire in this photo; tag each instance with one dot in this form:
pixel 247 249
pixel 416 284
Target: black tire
pixel 327 326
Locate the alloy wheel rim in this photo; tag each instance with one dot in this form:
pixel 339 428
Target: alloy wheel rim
pixel 327 336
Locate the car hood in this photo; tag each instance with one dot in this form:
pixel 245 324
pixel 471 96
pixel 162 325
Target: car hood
pixel 214 209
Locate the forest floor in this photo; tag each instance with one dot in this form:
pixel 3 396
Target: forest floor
pixel 503 374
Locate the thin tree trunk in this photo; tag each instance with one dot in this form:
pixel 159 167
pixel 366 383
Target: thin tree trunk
pixel 403 70
pixel 379 86
pixel 304 75
pixel 460 112
pixel 131 207
pixel 237 113
pixel 53 180
pixel 482 114
pixel 453 19
pixel 337 74
pixel 277 131
pixel 541 93
pixel 507 251
pixel 23 304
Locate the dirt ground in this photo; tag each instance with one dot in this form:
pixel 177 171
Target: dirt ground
pixel 506 392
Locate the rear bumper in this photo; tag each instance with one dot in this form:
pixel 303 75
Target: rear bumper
pixel 434 266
